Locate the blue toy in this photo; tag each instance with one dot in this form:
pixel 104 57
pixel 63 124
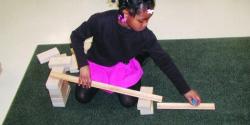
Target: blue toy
pixel 194 102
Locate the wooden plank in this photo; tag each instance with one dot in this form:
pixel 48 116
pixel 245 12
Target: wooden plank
pixel 108 87
pixel 202 106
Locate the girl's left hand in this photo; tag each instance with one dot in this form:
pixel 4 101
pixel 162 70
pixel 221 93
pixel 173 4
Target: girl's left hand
pixel 193 97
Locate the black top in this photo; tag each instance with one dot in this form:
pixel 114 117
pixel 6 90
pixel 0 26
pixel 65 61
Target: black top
pixel 113 43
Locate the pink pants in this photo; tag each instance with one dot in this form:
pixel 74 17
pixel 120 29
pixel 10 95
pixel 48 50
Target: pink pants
pixel 122 75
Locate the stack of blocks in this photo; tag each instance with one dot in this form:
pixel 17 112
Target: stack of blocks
pixel 146 107
pixel 58 89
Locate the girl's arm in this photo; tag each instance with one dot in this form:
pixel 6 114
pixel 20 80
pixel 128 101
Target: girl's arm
pixel 78 36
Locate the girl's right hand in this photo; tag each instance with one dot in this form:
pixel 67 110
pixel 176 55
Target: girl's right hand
pixel 84 78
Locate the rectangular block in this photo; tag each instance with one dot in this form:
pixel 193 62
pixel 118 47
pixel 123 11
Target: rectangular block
pixel 72 51
pixel 60 92
pixel 149 111
pixel 66 69
pixel 87 44
pixel 60 61
pixel 46 55
pixel 58 104
pixel 61 102
pixel 142 103
pixel 74 65
pixel 53 83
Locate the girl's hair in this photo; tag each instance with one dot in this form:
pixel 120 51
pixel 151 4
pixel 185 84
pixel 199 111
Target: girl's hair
pixel 135 6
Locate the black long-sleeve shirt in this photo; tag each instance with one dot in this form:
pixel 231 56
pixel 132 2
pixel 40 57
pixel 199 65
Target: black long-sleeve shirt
pixel 113 43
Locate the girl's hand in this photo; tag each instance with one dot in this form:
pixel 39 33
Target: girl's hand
pixel 193 97
pixel 84 78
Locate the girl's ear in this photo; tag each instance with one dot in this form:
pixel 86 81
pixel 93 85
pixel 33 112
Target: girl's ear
pixel 125 13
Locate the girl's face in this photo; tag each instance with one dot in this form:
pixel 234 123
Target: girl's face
pixel 138 22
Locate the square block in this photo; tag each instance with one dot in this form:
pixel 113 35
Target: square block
pixel 149 111
pixel 53 83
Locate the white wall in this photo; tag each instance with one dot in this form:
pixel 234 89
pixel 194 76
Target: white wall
pixel 181 19
pixel 26 23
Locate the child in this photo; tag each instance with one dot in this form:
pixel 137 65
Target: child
pixel 121 42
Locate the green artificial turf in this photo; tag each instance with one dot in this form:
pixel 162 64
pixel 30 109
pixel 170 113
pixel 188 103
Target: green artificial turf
pixel 219 69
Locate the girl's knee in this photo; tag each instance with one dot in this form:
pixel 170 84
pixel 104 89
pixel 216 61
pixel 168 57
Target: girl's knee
pixel 80 97
pixel 127 101
pixel 83 95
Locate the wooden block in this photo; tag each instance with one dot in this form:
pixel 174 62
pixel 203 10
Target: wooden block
pixel 62 55
pixel 60 61
pixel 59 93
pixel 142 103
pixel 45 56
pixel 74 65
pixel 66 69
pixel 87 44
pixel 108 87
pixel 64 97
pixel 72 51
pixel 149 111
pixel 58 104
pixel 53 83
pixel 61 101
pixel 202 106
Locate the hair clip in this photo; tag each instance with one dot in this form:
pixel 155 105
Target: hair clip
pixel 150 11
pixel 122 19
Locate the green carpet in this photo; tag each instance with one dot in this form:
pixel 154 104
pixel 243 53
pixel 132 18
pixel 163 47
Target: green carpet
pixel 218 68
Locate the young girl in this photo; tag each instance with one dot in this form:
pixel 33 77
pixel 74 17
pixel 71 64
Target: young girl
pixel 121 42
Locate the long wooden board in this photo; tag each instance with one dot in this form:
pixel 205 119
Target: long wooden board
pixel 108 87
pixel 202 106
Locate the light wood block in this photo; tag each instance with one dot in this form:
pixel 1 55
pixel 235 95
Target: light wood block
pixel 62 101
pixel 149 111
pixel 72 51
pixel 146 107
pixel 61 92
pixel 202 106
pixel 87 44
pixel 46 55
pixel 108 87
pixel 53 83
pixel 66 69
pixel 74 66
pixel 60 61
pixel 142 103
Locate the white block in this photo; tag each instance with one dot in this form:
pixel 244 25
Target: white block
pixel 61 102
pixel 60 91
pixel 74 66
pixel 142 103
pixel 60 61
pixel 72 51
pixel 148 111
pixel 87 44
pixel 66 69
pixel 53 83
pixel 45 56
pixel 146 107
